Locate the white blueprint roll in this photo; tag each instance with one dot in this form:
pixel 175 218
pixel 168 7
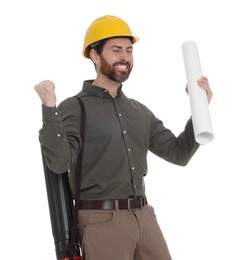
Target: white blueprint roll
pixel 198 99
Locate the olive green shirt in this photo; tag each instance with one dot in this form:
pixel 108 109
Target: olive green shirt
pixel 119 133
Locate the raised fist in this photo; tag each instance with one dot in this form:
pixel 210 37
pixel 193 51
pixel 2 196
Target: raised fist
pixel 45 90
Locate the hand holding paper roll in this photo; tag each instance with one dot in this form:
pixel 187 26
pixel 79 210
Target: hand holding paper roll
pixel 198 97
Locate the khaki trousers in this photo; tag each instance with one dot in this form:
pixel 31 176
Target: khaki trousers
pixel 121 235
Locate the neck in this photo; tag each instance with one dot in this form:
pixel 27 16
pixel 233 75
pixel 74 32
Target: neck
pixel 111 85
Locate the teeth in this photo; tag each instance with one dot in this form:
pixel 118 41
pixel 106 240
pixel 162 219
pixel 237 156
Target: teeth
pixel 122 67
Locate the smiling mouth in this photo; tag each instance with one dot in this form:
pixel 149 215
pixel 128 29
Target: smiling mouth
pixel 121 67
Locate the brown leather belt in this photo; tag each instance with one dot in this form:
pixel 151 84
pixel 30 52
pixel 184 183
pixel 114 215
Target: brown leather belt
pixel 128 204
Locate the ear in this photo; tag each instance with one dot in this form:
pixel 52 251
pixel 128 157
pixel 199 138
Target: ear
pixel 94 56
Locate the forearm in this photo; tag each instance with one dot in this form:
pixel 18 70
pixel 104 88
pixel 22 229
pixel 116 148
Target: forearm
pixel 58 139
pixel 187 144
pixel 177 150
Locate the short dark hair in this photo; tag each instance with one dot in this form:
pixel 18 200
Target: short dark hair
pixel 97 46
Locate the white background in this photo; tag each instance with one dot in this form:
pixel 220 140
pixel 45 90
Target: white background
pixel 200 207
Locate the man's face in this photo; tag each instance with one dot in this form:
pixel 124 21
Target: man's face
pixel 116 59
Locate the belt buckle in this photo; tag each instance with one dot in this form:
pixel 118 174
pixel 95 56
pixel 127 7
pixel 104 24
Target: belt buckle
pixel 131 199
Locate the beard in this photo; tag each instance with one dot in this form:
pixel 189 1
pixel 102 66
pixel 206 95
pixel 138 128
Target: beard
pixel 113 73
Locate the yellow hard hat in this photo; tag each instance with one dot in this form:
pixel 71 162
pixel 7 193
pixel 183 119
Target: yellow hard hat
pixel 106 27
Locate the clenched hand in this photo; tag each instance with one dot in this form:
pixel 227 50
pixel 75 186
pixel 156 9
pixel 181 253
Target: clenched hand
pixel 46 91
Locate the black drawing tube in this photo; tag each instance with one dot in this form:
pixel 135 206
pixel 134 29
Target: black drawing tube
pixel 61 211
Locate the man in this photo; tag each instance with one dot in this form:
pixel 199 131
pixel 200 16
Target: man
pixel 115 220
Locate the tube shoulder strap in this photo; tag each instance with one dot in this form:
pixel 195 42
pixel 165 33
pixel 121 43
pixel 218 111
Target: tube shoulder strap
pixel 78 178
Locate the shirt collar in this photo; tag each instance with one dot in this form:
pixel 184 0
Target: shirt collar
pixel 98 91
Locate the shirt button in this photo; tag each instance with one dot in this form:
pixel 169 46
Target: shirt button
pixel 129 149
pixel 56 113
pixel 119 114
pixel 132 168
pixel 124 132
pixel 58 135
pixel 134 186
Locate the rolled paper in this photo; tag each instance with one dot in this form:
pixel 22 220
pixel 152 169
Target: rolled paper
pixel 202 125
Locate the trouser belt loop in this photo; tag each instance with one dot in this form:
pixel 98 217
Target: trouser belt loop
pixel 116 205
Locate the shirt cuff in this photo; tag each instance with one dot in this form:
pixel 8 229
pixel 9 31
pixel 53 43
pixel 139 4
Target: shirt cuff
pixel 50 114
